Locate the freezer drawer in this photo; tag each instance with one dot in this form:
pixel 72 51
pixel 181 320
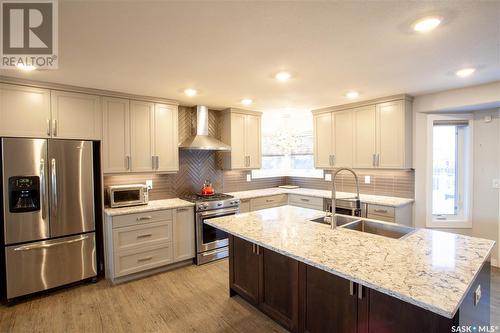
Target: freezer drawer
pixel 43 265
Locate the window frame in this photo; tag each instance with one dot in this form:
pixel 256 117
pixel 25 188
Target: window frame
pixel 464 221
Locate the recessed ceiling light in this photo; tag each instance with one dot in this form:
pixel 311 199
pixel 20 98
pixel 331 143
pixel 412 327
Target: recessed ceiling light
pixel 246 101
pixel 427 24
pixel 464 72
pixel 283 76
pixel 352 94
pixel 26 68
pixel 190 92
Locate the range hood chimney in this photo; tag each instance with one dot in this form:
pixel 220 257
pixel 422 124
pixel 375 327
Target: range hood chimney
pixel 203 141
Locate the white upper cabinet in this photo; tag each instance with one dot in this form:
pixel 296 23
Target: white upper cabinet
pixel 372 135
pixel 241 130
pixel 343 139
pixel 323 140
pixel 116 134
pixel 166 138
pixel 75 115
pixel 142 136
pixel 24 111
pixel 364 137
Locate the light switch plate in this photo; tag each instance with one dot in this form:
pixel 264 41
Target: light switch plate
pixel 149 184
pixel 328 177
pixel 368 179
pixel 249 177
pixel 496 183
pixel 477 295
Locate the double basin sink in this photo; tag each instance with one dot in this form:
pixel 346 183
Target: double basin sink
pixel 369 226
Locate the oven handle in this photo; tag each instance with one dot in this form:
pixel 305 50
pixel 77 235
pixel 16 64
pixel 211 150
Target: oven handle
pixel 219 212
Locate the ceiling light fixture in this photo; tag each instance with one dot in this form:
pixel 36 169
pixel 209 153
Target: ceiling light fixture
pixel 465 72
pixel 190 92
pixel 246 101
pixel 27 68
pixel 352 94
pixel 427 24
pixel 283 76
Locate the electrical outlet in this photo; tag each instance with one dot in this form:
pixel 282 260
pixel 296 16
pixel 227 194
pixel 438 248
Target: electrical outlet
pixel 149 184
pixel 496 183
pixel 249 177
pixel 328 177
pixel 477 295
pixel 368 179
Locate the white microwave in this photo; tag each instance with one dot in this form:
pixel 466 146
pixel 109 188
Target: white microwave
pixel 128 195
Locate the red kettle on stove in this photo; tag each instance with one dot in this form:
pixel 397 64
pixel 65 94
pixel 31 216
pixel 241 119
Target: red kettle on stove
pixel 207 188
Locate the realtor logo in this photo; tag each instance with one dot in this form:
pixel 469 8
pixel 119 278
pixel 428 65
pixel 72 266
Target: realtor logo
pixel 29 34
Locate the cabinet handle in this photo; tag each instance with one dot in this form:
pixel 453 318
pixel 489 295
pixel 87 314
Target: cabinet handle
pixel 305 200
pixel 127 162
pixel 157 162
pixel 333 159
pixel 378 160
pixel 351 288
pixel 258 249
pixel 144 235
pixel 360 291
pixel 153 162
pixel 144 218
pixel 144 259
pixel 253 249
pixel 182 209
pixel 48 127
pixel 380 211
pixel 249 161
pixel 269 200
pixel 54 130
pixel 374 156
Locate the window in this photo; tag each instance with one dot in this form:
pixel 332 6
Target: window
pixel 287 146
pixel 450 171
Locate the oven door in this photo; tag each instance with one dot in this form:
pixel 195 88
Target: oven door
pixel 208 237
pixel 127 197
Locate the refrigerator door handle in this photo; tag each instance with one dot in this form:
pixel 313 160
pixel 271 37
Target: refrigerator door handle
pixel 53 175
pixel 45 246
pixel 43 187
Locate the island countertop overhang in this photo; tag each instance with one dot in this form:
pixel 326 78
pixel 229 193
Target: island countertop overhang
pixel 431 269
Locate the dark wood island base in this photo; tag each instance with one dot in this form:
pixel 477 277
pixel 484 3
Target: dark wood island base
pixel 303 298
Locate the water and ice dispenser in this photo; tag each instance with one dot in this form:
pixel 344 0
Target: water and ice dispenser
pixel 24 194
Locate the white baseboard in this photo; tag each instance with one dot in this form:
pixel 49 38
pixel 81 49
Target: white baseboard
pixel 494 262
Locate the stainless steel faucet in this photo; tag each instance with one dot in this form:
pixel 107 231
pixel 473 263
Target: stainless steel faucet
pixel 333 219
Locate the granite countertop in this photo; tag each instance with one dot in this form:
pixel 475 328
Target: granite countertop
pixel 430 269
pixel 368 198
pixel 151 206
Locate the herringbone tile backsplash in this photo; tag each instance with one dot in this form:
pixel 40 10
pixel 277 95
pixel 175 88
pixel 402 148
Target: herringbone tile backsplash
pixel 197 166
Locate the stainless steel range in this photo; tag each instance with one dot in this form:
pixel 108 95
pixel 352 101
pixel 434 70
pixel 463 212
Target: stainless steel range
pixel 211 243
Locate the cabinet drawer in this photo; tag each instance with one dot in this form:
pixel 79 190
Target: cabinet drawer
pixel 141 218
pixel 142 235
pixel 305 201
pixel 268 202
pixel 137 261
pixel 383 213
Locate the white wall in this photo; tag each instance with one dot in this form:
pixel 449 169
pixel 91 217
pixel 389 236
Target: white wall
pixel 486 201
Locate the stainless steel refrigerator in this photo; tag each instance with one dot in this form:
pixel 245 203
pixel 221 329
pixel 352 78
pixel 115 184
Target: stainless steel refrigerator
pixel 47 213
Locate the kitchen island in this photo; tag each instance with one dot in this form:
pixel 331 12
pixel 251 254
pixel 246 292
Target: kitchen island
pixel 310 278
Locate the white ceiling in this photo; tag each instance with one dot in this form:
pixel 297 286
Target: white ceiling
pixel 231 50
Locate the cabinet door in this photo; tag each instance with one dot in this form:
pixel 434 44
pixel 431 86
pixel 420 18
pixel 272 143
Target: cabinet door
pixel 343 139
pixel 245 206
pixel 253 141
pixel 24 111
pixel 244 269
pixel 141 136
pixel 183 240
pixel 75 115
pixel 278 288
pixel 364 137
pixel 390 134
pixel 238 154
pixel 166 138
pixel 328 305
pixel 323 127
pixel 115 135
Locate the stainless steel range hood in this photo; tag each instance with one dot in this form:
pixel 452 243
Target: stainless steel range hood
pixel 203 141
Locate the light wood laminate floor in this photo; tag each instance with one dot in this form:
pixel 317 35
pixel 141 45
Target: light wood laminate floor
pixel 189 299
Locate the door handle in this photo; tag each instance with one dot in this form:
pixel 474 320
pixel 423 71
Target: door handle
pixel 53 175
pixel 54 129
pixel 48 127
pixel 46 246
pixel 43 193
pixel 127 162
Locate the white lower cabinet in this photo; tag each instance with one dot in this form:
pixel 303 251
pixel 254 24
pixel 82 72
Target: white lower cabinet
pixel 137 243
pixel 268 202
pixel 305 201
